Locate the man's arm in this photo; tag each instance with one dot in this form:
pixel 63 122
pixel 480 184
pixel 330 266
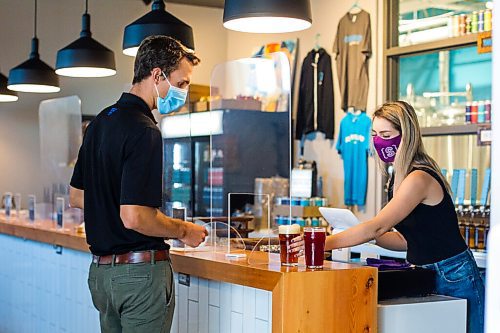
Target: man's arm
pixel 141 190
pixel 150 221
pixel 75 197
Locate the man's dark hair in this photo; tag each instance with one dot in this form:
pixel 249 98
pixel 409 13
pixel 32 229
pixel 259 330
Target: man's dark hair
pixel 163 52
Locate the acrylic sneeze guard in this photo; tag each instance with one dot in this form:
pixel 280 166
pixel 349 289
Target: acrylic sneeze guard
pixel 254 97
pixel 243 141
pixel 60 139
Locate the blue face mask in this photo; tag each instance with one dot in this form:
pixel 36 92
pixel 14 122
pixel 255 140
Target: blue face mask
pixel 176 97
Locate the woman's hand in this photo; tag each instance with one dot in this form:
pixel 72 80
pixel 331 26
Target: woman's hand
pixel 297 246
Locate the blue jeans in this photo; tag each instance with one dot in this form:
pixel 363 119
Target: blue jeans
pixel 459 277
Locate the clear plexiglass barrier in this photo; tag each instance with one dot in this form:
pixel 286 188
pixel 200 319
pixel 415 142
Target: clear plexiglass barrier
pixel 224 167
pixel 60 139
pixel 250 154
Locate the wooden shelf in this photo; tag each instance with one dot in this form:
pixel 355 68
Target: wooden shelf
pixel 453 130
pixel 444 44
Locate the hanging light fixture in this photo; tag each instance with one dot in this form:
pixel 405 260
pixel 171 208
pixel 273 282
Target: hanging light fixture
pixel 85 57
pixel 6 95
pixel 156 22
pixel 267 16
pixel 33 75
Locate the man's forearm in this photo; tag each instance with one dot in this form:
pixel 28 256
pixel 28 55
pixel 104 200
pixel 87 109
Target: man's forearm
pixel 151 222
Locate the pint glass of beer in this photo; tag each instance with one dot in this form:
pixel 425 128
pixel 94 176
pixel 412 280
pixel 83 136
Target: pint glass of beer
pixel 314 246
pixel 286 234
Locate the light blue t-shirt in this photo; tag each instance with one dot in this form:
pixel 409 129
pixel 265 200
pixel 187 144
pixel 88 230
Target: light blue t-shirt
pixel 353 145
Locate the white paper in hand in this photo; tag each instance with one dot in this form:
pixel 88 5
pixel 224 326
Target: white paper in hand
pixel 339 218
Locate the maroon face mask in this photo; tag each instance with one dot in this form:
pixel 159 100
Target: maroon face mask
pixel 386 148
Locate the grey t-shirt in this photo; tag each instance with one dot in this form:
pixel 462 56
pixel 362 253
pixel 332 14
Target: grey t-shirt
pixel 353 47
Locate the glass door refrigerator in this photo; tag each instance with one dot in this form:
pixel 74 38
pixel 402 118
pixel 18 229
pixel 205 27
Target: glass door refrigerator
pixel 211 154
pixel 187 175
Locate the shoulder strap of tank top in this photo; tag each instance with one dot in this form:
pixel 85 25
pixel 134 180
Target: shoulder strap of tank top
pixel 433 174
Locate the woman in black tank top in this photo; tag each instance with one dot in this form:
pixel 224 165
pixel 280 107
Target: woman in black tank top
pixel 420 216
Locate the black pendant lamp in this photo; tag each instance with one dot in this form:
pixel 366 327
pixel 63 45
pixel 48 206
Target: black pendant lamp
pixel 6 95
pixel 85 57
pixel 33 75
pixel 267 16
pixel 156 22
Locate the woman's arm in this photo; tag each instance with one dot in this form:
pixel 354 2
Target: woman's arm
pixel 411 192
pixel 392 240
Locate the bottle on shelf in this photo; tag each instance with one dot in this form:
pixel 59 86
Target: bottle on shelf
pixel 480 21
pixel 487 111
pixel 462 25
pixel 473 28
pixel 468 109
pixel 473 113
pixel 487 20
pixel 480 112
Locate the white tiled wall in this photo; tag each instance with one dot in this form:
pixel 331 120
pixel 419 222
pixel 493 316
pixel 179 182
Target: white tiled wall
pixel 208 306
pixel 42 291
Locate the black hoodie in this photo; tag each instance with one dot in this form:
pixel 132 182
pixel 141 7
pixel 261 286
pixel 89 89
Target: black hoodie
pixel 313 116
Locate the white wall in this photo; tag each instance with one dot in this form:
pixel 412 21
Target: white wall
pixel 59 23
pixel 326 15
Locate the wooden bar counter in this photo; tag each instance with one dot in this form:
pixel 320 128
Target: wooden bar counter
pixel 340 298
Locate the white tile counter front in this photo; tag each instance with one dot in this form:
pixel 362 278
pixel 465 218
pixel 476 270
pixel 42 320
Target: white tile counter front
pixel 42 290
pixel 208 306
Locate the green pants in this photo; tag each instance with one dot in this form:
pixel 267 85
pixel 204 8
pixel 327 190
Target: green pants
pixel 133 298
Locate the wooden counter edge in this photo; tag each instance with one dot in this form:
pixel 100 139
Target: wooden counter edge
pixel 68 239
pixel 226 272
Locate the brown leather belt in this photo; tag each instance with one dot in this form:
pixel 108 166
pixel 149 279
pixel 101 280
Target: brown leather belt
pixel 132 258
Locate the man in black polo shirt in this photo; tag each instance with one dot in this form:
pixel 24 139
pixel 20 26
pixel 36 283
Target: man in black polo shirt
pixel 118 179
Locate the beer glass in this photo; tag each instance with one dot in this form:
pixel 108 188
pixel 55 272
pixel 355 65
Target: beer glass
pixel 314 246
pixel 286 234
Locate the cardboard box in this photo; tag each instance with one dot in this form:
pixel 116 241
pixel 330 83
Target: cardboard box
pixel 236 104
pixel 307 211
pixel 200 106
pixel 197 91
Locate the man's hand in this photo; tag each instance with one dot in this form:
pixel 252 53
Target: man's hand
pixel 194 234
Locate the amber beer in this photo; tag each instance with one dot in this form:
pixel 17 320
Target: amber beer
pixel 314 246
pixel 286 234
